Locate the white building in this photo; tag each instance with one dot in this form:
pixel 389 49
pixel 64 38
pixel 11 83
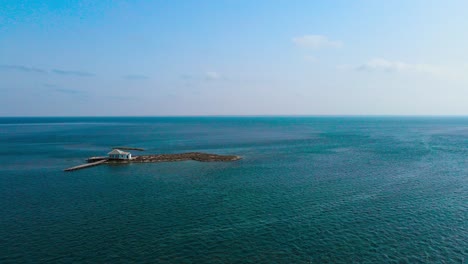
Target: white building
pixel 119 154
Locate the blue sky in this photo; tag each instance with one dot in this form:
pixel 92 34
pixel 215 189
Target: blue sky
pixel 240 57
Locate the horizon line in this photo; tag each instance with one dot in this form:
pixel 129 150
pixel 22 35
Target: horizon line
pixel 267 115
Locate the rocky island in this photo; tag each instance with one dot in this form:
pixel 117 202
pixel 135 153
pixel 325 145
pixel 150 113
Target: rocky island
pixel 197 156
pixel 117 156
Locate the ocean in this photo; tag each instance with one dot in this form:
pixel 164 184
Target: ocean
pixel 308 190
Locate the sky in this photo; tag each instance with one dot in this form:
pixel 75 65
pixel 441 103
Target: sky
pixel 233 57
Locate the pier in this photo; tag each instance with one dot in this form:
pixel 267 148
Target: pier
pixel 87 165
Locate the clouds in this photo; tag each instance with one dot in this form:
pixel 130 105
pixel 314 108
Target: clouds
pixel 21 68
pixel 73 73
pixel 212 75
pixel 316 42
pixel 69 91
pixel 205 76
pixel 135 77
pixel 384 65
pixel 74 93
pixel 27 69
pixel 59 89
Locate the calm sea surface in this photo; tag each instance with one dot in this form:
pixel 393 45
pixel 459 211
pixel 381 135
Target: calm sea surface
pixel 308 190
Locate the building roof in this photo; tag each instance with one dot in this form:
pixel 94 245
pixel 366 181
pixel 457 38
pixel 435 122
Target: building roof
pixel 118 152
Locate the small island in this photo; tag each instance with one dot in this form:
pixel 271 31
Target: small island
pixel 117 156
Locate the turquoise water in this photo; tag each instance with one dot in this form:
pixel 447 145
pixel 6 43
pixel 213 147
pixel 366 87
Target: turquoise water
pixel 308 190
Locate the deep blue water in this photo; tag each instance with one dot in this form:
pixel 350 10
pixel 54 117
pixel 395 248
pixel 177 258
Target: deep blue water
pixel 308 190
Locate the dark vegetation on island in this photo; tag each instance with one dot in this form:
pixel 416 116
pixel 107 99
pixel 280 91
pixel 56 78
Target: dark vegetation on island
pixel 196 156
pixel 128 148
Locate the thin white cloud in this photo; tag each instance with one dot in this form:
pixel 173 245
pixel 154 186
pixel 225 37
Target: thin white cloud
pixel 455 73
pixel 212 75
pixel 379 64
pixel 28 69
pixel 316 42
pixel 310 58
pixel 73 73
pixel 22 68
pixel 135 77
pixel 207 76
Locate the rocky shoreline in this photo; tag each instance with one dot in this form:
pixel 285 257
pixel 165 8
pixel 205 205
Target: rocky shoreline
pixel 196 156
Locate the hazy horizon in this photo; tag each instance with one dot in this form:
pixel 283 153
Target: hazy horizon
pixel 246 115
pixel 233 58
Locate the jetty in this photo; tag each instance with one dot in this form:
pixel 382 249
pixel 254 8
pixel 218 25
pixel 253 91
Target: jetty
pixel 117 156
pixel 87 165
